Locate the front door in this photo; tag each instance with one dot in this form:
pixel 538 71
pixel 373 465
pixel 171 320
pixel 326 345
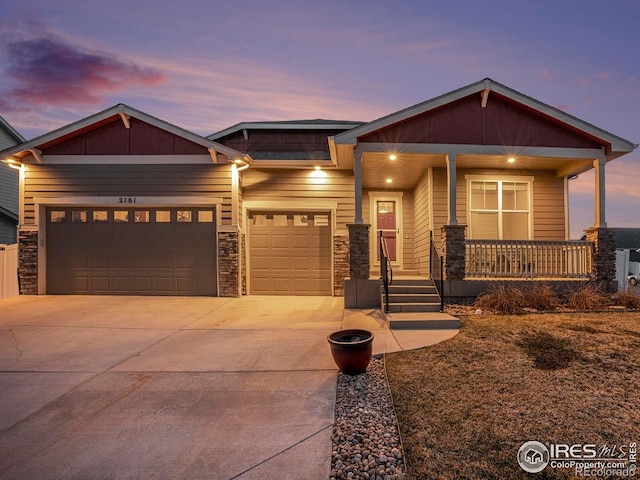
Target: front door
pixel 386 218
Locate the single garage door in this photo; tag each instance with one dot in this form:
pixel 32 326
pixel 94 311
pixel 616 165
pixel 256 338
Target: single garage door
pixel 290 253
pixel 131 251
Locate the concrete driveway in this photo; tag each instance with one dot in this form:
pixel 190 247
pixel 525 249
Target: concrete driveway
pixel 173 387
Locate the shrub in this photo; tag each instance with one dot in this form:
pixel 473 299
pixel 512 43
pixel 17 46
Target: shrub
pixel 627 300
pixel 587 296
pixel 501 299
pixel 542 297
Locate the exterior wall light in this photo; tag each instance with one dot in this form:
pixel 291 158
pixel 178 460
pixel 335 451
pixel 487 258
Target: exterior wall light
pixel 511 160
pixel 318 177
pixel 392 157
pixel 11 163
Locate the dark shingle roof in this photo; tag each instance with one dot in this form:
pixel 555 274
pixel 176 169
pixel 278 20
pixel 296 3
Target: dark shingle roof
pixel 628 238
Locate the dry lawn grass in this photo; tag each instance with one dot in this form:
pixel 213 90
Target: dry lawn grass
pixel 465 406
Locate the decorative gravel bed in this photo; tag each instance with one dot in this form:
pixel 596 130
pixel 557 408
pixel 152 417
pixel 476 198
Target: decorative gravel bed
pixel 366 440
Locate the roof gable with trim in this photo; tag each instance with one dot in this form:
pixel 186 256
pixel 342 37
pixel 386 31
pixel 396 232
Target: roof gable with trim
pixel 486 113
pixel 120 131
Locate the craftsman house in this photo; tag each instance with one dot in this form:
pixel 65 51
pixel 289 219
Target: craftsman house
pixel 475 180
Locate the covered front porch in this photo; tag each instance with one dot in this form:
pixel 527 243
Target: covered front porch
pixel 476 182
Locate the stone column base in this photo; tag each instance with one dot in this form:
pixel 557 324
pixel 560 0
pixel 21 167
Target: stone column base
pixel 229 263
pixel 359 251
pixel 452 239
pixel 28 262
pixel 604 256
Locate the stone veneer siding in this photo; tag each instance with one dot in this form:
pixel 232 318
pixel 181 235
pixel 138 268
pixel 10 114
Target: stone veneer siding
pixel 453 251
pixel 359 251
pixel 340 263
pixel 604 255
pixel 228 264
pixel 28 262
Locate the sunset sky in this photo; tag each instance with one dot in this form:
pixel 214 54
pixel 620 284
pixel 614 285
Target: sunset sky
pixel 207 64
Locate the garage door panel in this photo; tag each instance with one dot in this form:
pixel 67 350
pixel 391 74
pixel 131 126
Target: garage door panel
pixel 101 284
pixel 281 285
pixel 280 241
pixel 164 284
pixel 80 260
pixel 260 285
pixel 288 255
pixel 143 284
pixel 186 260
pixel 162 259
pixel 81 283
pixel 136 257
pixel 122 284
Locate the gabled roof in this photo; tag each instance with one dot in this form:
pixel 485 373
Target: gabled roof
pixel 11 131
pixel 627 238
pixel 619 145
pixel 8 214
pixel 125 112
pixel 314 124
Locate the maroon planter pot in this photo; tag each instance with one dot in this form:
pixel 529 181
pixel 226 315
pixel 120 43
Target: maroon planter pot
pixel 351 350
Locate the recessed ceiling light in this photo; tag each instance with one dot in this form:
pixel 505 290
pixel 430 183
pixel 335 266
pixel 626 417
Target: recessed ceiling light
pixel 511 160
pixel 392 157
pixel 388 180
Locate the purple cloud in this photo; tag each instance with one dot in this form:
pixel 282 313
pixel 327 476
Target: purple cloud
pixel 47 71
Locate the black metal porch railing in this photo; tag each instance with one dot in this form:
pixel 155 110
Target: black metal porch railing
pixel 386 272
pixel 436 269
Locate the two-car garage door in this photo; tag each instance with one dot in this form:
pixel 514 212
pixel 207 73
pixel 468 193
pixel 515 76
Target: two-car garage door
pixel 289 253
pixel 131 251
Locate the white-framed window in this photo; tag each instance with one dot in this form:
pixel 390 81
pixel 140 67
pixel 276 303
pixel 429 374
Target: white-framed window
pixel 499 208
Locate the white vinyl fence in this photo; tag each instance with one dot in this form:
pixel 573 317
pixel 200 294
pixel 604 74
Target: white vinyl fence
pixel 8 270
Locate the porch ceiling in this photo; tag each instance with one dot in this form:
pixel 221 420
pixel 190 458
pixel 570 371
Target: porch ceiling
pixel 408 168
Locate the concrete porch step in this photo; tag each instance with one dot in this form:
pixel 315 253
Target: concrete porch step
pixel 422 321
pixel 412 289
pixel 412 297
pixel 414 307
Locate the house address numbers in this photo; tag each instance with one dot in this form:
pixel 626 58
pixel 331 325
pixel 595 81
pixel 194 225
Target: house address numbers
pixel 127 199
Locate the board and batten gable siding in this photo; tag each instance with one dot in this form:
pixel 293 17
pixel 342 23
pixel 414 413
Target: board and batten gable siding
pixel 280 140
pixel 548 200
pixel 407 223
pixel 113 138
pixel 127 180
pixel 294 187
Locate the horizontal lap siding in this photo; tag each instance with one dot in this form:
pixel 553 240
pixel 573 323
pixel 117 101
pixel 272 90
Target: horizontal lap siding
pixel 421 225
pixel 548 200
pixel 548 207
pixel 294 186
pixel 127 180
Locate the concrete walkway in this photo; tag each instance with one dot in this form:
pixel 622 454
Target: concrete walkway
pixel 172 387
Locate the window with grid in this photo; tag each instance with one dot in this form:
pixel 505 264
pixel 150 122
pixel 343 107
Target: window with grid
pixel 500 210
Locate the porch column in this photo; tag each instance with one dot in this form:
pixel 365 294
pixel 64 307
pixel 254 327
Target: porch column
pixel 452 219
pixel 357 175
pixel 598 165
